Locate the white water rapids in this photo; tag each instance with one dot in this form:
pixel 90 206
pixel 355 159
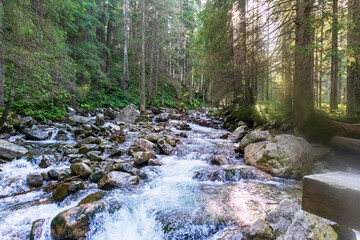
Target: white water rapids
pixel 170 205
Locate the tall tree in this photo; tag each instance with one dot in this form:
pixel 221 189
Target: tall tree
pixel 126 76
pixel 143 59
pixel 303 80
pixel 334 59
pixel 353 70
pixel 2 72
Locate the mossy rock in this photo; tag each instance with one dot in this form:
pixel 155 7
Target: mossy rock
pixel 93 197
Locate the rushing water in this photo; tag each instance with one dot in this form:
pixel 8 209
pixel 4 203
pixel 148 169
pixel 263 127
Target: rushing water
pixel 170 205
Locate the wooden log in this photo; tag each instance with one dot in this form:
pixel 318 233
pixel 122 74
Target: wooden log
pixel 346 144
pixel 335 196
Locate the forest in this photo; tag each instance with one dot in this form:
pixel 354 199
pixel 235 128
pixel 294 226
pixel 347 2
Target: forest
pixel 216 53
pixel 179 119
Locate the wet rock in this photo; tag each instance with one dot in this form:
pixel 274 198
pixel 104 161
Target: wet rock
pixel 89 140
pixel 45 176
pixel 66 189
pixel 97 175
pixel 128 168
pixel 260 230
pixel 143 157
pixel 78 120
pixel 87 148
pixel 47 161
pixel 239 133
pixel 9 151
pixel 37 133
pixel 153 137
pixel 310 227
pixel 231 174
pixel 54 174
pixel 143 119
pixel 99 121
pixel 27 122
pixel 128 115
pixel 74 223
pixel 281 217
pixel 173 141
pixel 284 156
pixel 183 135
pixel 116 152
pixel 253 137
pixel 65 173
pixel 7 130
pixel 81 169
pixel 34 180
pixel 37 229
pixel 117 180
pixel 93 197
pixel 184 126
pixel 154 162
pixel 176 116
pixel 162 117
pixel 220 160
pixel 144 143
pixel 94 156
pixel 166 148
pixel 110 113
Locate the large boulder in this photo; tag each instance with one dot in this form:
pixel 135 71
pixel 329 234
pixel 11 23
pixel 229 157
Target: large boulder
pixel 81 169
pixel 128 114
pixel 10 151
pixel 253 137
pixel 231 174
pixel 284 156
pixel 74 223
pixel 288 222
pixel 117 180
pixel 37 133
pixel 310 227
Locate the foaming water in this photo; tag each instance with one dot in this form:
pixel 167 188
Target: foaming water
pixel 171 205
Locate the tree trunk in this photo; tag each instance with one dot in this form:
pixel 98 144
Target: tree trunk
pixel 108 45
pixel 238 55
pixel 126 76
pixel 9 102
pixel 303 81
pixel 2 72
pixel 353 76
pixel 320 67
pixel 151 77
pixel 143 74
pixel 334 59
pixel 346 144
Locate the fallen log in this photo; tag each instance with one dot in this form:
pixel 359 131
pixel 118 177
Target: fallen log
pixel 321 129
pixel 47 187
pixel 346 144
